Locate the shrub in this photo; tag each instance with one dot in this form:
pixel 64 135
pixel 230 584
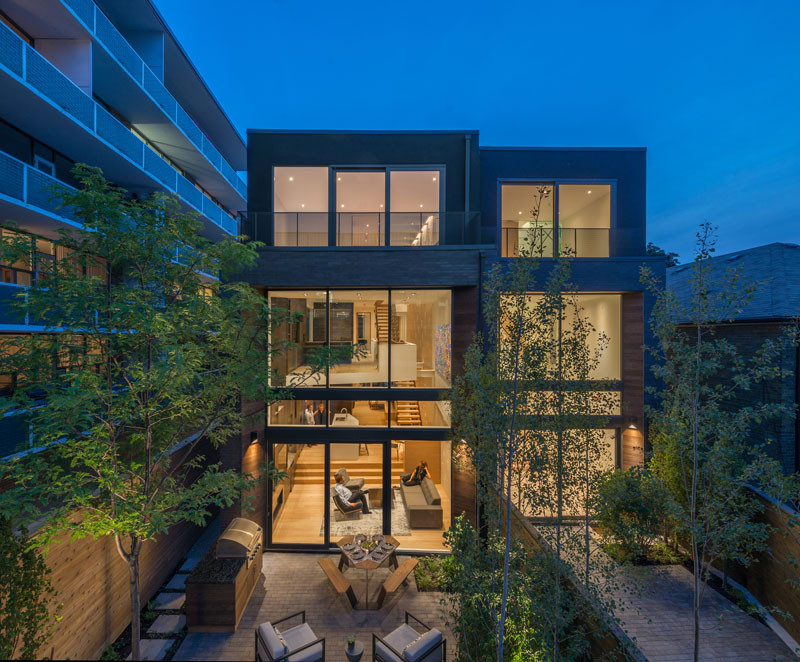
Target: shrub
pixel 632 511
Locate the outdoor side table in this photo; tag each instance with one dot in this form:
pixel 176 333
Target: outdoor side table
pixel 354 654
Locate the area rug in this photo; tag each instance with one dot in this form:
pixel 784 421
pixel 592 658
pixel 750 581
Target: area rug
pixel 372 523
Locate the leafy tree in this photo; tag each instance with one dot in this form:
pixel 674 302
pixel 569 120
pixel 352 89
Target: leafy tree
pixel 700 445
pixel 25 593
pixel 531 417
pixel 657 251
pixel 144 361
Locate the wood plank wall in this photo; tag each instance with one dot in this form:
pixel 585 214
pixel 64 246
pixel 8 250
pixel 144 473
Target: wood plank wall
pixel 632 378
pixel 92 582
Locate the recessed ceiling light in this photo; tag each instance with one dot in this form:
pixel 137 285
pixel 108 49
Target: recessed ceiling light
pixel 338 179
pixel 520 213
pixel 434 179
pixel 589 192
pixel 302 205
pixel 367 224
pixel 342 205
pixel 381 206
pixel 291 179
pixel 420 206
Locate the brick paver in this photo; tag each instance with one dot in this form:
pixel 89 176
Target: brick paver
pixel 658 613
pixel 293 582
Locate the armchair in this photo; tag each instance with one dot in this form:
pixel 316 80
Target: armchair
pixel 350 483
pixel 405 644
pixel 299 642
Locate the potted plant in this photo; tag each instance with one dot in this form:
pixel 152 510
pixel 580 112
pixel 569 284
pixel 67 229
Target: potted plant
pixel 351 643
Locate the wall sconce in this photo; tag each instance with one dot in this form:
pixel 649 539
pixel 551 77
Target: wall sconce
pixel 632 423
pixel 253 437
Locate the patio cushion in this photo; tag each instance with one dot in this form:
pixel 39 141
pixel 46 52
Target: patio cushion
pixel 271 639
pixel 417 650
pixel 300 635
pixel 398 639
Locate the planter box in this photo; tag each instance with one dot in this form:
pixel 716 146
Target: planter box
pixel 218 590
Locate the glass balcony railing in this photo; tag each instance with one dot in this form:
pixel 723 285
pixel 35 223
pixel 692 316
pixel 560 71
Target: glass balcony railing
pixel 539 242
pixel 363 229
pixel 23 182
pixel 29 65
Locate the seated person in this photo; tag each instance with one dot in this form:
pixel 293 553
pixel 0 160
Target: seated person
pixel 352 499
pixel 415 477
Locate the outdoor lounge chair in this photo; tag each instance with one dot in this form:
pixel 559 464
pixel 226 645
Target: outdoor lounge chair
pixel 405 644
pixel 300 643
pixel 350 483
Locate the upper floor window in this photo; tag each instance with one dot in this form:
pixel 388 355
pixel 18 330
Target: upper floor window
pixel 300 206
pixel 539 218
pixel 370 206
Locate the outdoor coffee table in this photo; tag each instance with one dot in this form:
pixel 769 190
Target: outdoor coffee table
pixel 370 561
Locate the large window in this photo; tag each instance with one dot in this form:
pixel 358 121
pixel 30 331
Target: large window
pixel 414 207
pixel 360 208
pixel 300 203
pixel 604 312
pixel 533 215
pixel 371 206
pixel 421 329
pixel 404 338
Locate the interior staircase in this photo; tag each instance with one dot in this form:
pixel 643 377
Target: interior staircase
pixel 382 321
pixel 311 473
pixel 408 413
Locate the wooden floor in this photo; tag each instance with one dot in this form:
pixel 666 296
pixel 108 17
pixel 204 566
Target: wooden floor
pixel 303 511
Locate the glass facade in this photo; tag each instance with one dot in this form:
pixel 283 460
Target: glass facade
pixel 417 322
pixel 300 205
pixel 415 207
pixel 534 214
pixel 360 208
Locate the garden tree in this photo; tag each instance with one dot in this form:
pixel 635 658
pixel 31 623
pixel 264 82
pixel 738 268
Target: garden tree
pixel 656 251
pixel 528 412
pixel 25 593
pixel 144 361
pixel 700 444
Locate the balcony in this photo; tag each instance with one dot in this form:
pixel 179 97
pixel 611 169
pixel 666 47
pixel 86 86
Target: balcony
pixel 40 79
pixel 22 184
pixel 538 242
pixel 363 229
pixel 183 128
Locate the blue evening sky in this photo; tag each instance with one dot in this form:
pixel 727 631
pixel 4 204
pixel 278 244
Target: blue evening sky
pixel 712 89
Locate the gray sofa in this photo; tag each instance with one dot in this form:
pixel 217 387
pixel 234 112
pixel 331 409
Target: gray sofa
pixel 423 505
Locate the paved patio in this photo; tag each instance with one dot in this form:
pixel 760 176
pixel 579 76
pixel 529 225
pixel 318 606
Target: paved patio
pixel 659 616
pixel 292 582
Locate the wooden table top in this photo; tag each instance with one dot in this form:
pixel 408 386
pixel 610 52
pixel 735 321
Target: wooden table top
pixel 367 563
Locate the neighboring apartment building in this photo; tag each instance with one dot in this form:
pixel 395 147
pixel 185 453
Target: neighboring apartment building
pixel 104 83
pixel 775 305
pixel 382 240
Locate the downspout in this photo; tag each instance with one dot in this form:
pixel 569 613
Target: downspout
pixel 467 168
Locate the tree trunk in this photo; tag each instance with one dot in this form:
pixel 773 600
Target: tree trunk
pixel 136 608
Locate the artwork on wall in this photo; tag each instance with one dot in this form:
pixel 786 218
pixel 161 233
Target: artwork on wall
pixel 442 362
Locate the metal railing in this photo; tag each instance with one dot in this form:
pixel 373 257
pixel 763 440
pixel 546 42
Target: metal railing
pixel 27 63
pixel 539 242
pixel 29 185
pixel 360 228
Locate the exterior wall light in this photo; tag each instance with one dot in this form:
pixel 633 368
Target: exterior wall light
pixel 253 437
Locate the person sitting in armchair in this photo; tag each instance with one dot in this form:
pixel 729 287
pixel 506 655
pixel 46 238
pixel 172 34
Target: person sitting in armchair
pixel 415 477
pixel 352 499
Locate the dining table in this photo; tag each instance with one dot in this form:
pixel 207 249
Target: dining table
pixel 353 555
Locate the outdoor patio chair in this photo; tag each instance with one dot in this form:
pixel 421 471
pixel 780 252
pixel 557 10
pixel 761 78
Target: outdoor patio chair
pixel 350 483
pixel 299 642
pixel 405 644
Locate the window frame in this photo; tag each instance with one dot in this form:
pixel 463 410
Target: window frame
pixel 556 183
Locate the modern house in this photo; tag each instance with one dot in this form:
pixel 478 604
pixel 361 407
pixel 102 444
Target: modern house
pixel 382 240
pixel 104 83
pixel 775 305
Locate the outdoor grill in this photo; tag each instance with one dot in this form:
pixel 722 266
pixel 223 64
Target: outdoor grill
pixel 240 540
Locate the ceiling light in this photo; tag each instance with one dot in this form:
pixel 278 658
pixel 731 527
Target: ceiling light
pixel 421 206
pixel 589 192
pixel 338 179
pixel 367 224
pixel 342 205
pixel 520 213
pixel 302 205
pixel 291 179
pixel 434 179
